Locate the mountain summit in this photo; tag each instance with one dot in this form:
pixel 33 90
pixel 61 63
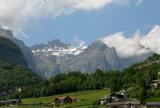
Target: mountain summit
pixel 53 56
pixel 56 57
pixel 96 56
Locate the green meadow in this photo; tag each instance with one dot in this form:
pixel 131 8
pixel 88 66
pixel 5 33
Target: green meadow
pixel 86 99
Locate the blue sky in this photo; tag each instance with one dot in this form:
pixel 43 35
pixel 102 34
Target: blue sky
pixel 88 25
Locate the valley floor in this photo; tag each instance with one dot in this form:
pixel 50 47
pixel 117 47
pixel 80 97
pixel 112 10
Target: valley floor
pixel 23 106
pixel 85 99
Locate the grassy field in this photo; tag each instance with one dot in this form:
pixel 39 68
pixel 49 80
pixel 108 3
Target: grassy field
pixel 153 100
pixel 23 106
pixel 86 99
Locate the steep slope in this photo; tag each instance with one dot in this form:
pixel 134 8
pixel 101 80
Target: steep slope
pixel 126 62
pixel 11 52
pixel 25 50
pixel 56 57
pixel 136 79
pixel 50 57
pixel 151 62
pixel 96 56
pixel 13 68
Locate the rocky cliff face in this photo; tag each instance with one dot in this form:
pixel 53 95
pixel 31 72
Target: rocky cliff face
pixel 96 56
pixel 52 57
pixel 27 54
pixel 56 57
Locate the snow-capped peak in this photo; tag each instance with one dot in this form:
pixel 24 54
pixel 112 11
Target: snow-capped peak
pixel 50 50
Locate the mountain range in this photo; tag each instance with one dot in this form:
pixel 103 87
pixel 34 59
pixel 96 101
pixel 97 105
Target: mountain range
pixel 57 57
pixel 53 57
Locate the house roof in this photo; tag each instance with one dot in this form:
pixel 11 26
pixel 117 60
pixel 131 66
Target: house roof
pixel 124 103
pixel 63 97
pixel 60 98
pixel 155 81
pixel 153 103
pixel 117 95
pixel 2 101
pixel 13 100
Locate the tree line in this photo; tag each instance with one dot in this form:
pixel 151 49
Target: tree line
pixel 135 79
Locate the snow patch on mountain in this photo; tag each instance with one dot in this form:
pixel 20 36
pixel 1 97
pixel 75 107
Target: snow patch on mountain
pixel 59 51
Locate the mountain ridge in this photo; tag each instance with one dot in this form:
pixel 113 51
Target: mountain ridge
pixel 53 57
pixel 95 56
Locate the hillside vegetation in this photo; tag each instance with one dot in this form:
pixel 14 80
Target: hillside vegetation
pixel 14 77
pixel 135 79
pixel 14 73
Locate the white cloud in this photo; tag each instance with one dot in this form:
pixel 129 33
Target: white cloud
pixel 136 44
pixel 14 14
pixel 77 42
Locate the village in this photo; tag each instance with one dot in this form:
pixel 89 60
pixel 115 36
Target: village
pixel 114 100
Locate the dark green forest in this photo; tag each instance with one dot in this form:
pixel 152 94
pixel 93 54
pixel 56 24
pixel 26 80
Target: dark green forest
pixel 14 76
pixel 136 80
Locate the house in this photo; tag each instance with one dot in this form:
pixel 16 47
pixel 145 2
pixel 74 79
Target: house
pixel 13 102
pixel 117 97
pixel 10 102
pixel 124 104
pixel 2 103
pixel 125 94
pixel 153 104
pixel 103 100
pixel 155 83
pixel 114 97
pixel 64 99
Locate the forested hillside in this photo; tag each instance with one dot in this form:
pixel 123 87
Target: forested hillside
pixel 135 79
pixel 14 73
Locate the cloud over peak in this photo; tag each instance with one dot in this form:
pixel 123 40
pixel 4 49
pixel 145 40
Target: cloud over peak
pixel 136 44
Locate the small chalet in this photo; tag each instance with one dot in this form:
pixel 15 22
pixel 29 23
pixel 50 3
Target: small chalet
pixel 117 97
pixel 114 97
pixel 124 104
pixel 2 103
pixel 64 99
pixel 155 83
pixel 14 101
pixel 10 102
